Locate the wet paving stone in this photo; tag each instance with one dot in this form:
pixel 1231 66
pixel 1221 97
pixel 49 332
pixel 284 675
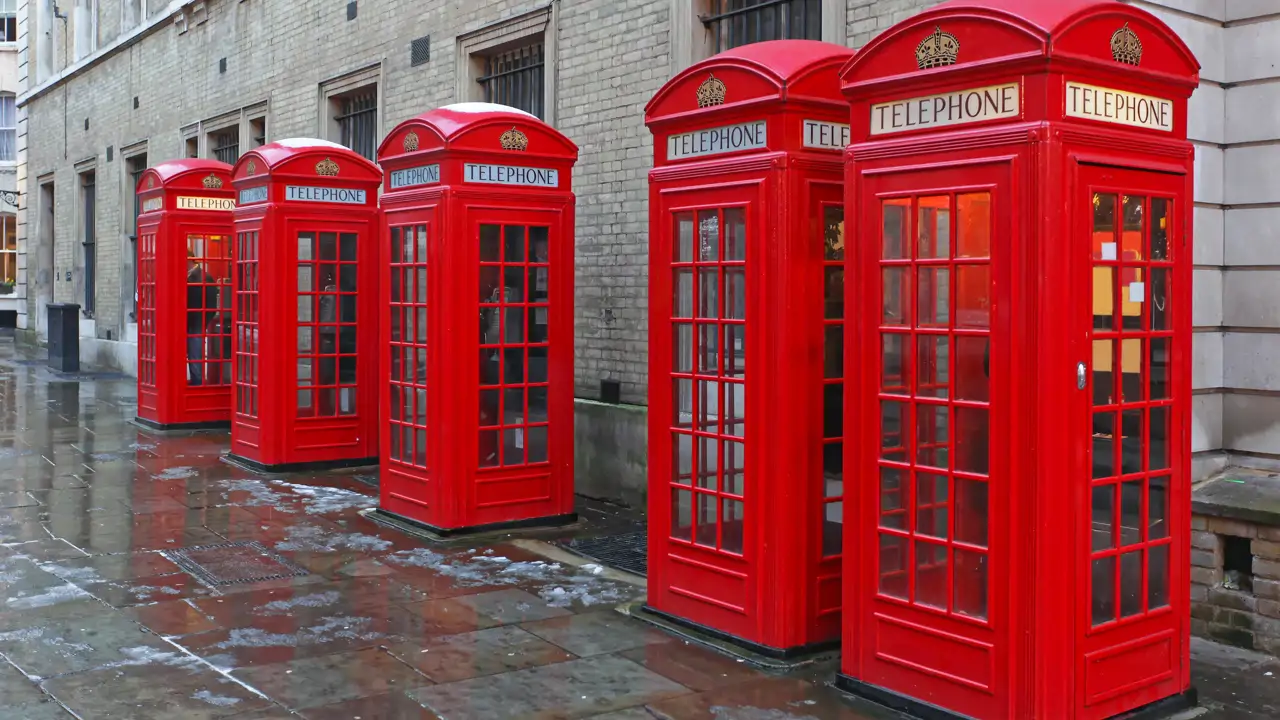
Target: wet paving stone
pixel 284 639
pixel 577 688
pixel 392 706
pixel 484 652
pixel 694 667
pixel 597 633
pixel 431 618
pixel 171 619
pixel 77 644
pixel 16 688
pixel 154 691
pixel 333 678
pixel 511 606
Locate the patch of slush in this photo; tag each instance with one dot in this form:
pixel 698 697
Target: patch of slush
pixel 144 592
pixel 77 574
pixel 329 628
pixel 308 538
pixel 105 457
pixel 556 584
pixel 180 472
pixel 314 600
pixel 50 596
pixel 259 494
pixel 319 499
pixel 143 655
pixel 720 712
pixel 142 446
pixel 218 700
pixel 24 635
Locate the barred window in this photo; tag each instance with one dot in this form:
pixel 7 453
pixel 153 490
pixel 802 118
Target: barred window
pixel 8 20
pixel 741 22
pixel 226 144
pixel 357 120
pixel 515 78
pixel 8 127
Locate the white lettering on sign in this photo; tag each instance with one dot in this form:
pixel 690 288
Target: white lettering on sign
pixel 1118 106
pixel 187 202
pixel 825 135
pixel 421 175
pixel 954 108
pixel 717 140
pixel 310 193
pixel 152 204
pixel 510 175
pixel 251 195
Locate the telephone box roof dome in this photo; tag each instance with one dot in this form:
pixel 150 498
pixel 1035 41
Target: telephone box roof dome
pixel 170 169
pixel 769 70
pixel 1105 35
pixel 469 126
pixel 273 156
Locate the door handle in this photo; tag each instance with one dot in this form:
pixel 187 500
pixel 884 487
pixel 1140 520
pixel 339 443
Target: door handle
pixel 1080 376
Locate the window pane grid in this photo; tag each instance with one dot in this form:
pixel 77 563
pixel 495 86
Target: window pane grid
pixel 740 22
pixel 147 310
pixel 709 381
pixel 515 78
pixel 358 122
pixel 327 324
pixel 208 311
pixel 935 403
pixel 246 324
pixel 409 397
pixel 514 309
pixel 831 522
pixel 1132 407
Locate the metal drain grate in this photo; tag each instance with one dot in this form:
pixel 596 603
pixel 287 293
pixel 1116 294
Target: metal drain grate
pixel 627 551
pixel 234 563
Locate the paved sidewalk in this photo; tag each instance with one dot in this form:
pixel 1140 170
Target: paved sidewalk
pixel 127 590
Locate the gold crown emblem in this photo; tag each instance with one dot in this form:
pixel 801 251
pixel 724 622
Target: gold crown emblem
pixel 513 139
pixel 937 50
pixel 1125 46
pixel 411 141
pixel 151 182
pixel 251 168
pixel 213 182
pixel 327 167
pixel 711 92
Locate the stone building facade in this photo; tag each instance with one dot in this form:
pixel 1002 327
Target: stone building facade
pixel 109 86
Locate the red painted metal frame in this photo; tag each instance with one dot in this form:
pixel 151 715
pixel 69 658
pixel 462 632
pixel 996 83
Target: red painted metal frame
pixel 281 422
pixel 177 388
pixel 477 470
pixel 736 526
pixel 1040 647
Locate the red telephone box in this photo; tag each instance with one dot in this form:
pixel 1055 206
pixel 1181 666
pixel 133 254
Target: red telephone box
pixel 477 320
pixel 306 312
pixel 1021 187
pixel 184 295
pixel 746 250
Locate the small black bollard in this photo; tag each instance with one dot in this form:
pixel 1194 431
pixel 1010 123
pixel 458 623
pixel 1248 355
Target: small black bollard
pixel 64 337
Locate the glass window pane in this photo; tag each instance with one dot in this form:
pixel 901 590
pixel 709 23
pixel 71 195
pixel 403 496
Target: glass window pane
pixel 931 505
pixel 973 225
pixel 895 228
pixel 682 460
pixel 304 279
pixel 893 566
pixel 892 425
pixel 707 509
pixel 972 511
pixel 833 293
pixel 1159 351
pixel 328 246
pixel 1131 441
pixel 708 293
pixel 682 361
pixel 347 247
pixel 833 232
pixel 973 440
pixel 933 375
pixel 708 235
pixel 970 597
pixel 1104 222
pixel 973 296
pixel 735 293
pixel 1104 590
pixel 897 289
pixel 1157 577
pixel 833 351
pixel 1131 584
pixel 932 434
pixel 931 574
pixel 735 234
pixel 832 528
pixel 892 378
pixel 682 307
pixel 514 243
pixel 682 400
pixel 490 243
pixel 537 444
pixel 681 514
pixel 708 406
pixel 1104 456
pixel 305 308
pixel 1131 370
pixel 1131 234
pixel 708 349
pixel 893 507
pixel 731 526
pixel 513 446
pixel 1104 531
pixel 1104 378
pixel 347 278
pixel 934 307
pixel 1158 508
pixel 734 460
pixel 1158 439
pixel 734 404
pixel 973 371
pixel 683 237
pixel 1160 295
pixel 1159 229
pixel 1104 298
pixel 306 246
pixel 933 229
pixel 488 448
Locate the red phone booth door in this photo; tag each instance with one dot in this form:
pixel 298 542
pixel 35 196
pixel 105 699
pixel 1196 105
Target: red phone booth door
pixel 1136 478
pixel 514 284
pixel 406 431
pixel 327 325
pixel 933 511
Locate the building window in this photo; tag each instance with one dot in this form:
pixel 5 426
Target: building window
pixel 258 132
pixel 191 147
pixel 135 165
pixel 8 253
pixel 88 196
pixel 357 120
pixel 515 78
pixel 8 20
pixel 8 128
pixel 225 144
pixel 741 22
